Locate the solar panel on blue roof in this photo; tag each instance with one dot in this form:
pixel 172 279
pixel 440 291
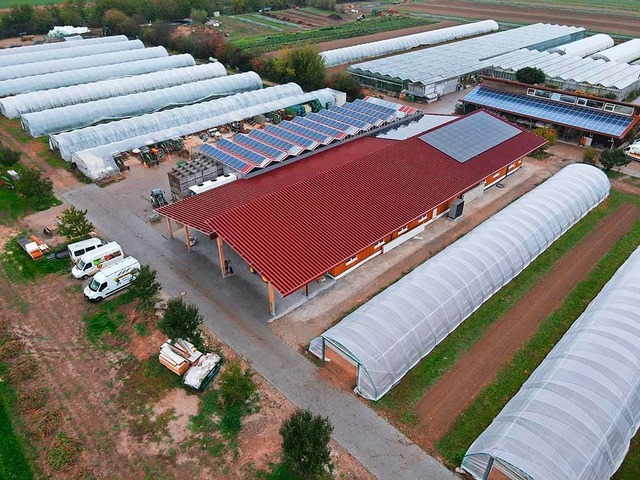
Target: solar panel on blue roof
pixel 292 148
pixel 333 132
pixel 292 136
pixel 332 114
pixel 224 157
pixel 573 116
pixel 358 115
pixel 307 132
pixel 333 123
pixel 250 155
pixel 261 147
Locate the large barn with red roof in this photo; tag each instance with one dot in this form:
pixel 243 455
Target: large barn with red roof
pixel 328 213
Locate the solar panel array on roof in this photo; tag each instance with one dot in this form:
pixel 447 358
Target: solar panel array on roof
pixel 319 127
pixel 226 158
pixel 305 142
pixel 267 138
pixel 373 120
pixel 245 153
pixel 554 112
pixel 470 136
pixel 273 152
pixel 333 114
pixel 307 132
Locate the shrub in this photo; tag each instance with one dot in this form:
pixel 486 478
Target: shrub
pixel 305 444
pixel 74 224
pixel 146 288
pixel 346 83
pixel 8 157
pixel 530 75
pixel 181 320
pixel 548 133
pixel 32 185
pixel 613 158
pixel 236 386
pixel 64 452
pixel 590 155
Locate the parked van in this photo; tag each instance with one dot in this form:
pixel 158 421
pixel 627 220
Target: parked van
pixel 112 279
pixel 77 249
pixel 93 261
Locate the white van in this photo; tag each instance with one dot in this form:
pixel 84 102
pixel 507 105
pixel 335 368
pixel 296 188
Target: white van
pixel 112 279
pixel 77 249
pixel 93 261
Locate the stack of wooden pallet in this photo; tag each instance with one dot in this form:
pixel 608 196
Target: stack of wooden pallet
pixel 178 355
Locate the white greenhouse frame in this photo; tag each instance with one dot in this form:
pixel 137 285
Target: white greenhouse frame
pixel 354 53
pixel 623 53
pixel 574 418
pixel 97 163
pixel 391 333
pixel 84 114
pixel 13 107
pixel 134 51
pixel 89 137
pixel 67 78
pixel 61 45
pixel 585 47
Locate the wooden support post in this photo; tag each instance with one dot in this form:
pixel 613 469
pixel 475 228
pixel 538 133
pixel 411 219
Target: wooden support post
pixel 186 238
pixel 169 227
pixel 221 257
pixel 272 300
pixel 306 289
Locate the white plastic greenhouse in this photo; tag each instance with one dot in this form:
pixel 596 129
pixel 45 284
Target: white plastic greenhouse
pixel 59 45
pixel 70 142
pixel 109 58
pixel 77 51
pixel 391 333
pixel 340 56
pixel 81 115
pixel 17 86
pixel 586 46
pixel 574 417
pixel 623 53
pixel 97 163
pixel 15 106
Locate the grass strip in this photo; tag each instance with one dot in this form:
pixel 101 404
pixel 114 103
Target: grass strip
pixel 398 402
pixel 13 460
pixel 21 268
pixel 510 378
pixel 103 324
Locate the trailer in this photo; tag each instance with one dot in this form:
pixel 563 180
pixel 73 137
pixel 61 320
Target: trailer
pixel 34 247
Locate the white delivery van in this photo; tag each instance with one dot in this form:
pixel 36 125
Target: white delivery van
pixel 112 279
pixel 93 261
pixel 77 249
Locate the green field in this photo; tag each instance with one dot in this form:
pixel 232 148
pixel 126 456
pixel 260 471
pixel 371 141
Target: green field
pixel 595 6
pixel 10 3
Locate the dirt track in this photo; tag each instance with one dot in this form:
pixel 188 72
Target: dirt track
pixel 458 388
pixel 625 25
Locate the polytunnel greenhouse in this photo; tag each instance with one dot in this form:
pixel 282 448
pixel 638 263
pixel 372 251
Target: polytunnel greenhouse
pixel 67 78
pixel 61 45
pixel 585 47
pixel 340 56
pixel 391 333
pixel 97 163
pixel 574 418
pixel 84 114
pixel 108 58
pixel 15 106
pixel 623 53
pixel 70 142
pixel 70 54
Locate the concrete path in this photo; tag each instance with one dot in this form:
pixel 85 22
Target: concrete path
pixel 377 445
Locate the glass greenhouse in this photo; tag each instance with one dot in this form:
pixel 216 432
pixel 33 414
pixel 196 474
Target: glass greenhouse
pixel 74 53
pixel 86 75
pixel 97 163
pixel 355 53
pixel 81 115
pixel 574 417
pixel 70 142
pixel 136 52
pixel 60 45
pixel 391 333
pixel 15 106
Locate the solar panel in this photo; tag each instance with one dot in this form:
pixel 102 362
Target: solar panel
pixel 318 127
pixel 261 147
pixel 333 123
pixel 553 112
pixel 292 148
pixel 470 136
pixel 227 159
pixel 253 157
pixel 361 124
pixel 377 107
pixel 292 137
pixel 307 132
pixel 367 110
pixel 358 116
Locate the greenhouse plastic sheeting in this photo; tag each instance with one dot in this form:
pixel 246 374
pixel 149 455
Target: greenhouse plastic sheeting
pixel 70 142
pixel 64 55
pixel 60 45
pixel 622 53
pixel 585 47
pixel 390 333
pixel 97 163
pixel 574 417
pixel 133 50
pixel 85 114
pixel 15 106
pixel 355 53
pixel 85 75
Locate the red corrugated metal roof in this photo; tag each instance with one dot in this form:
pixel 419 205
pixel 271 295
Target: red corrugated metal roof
pixel 308 225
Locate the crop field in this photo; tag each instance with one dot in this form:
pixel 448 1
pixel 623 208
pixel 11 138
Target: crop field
pixel 5 4
pixel 597 6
